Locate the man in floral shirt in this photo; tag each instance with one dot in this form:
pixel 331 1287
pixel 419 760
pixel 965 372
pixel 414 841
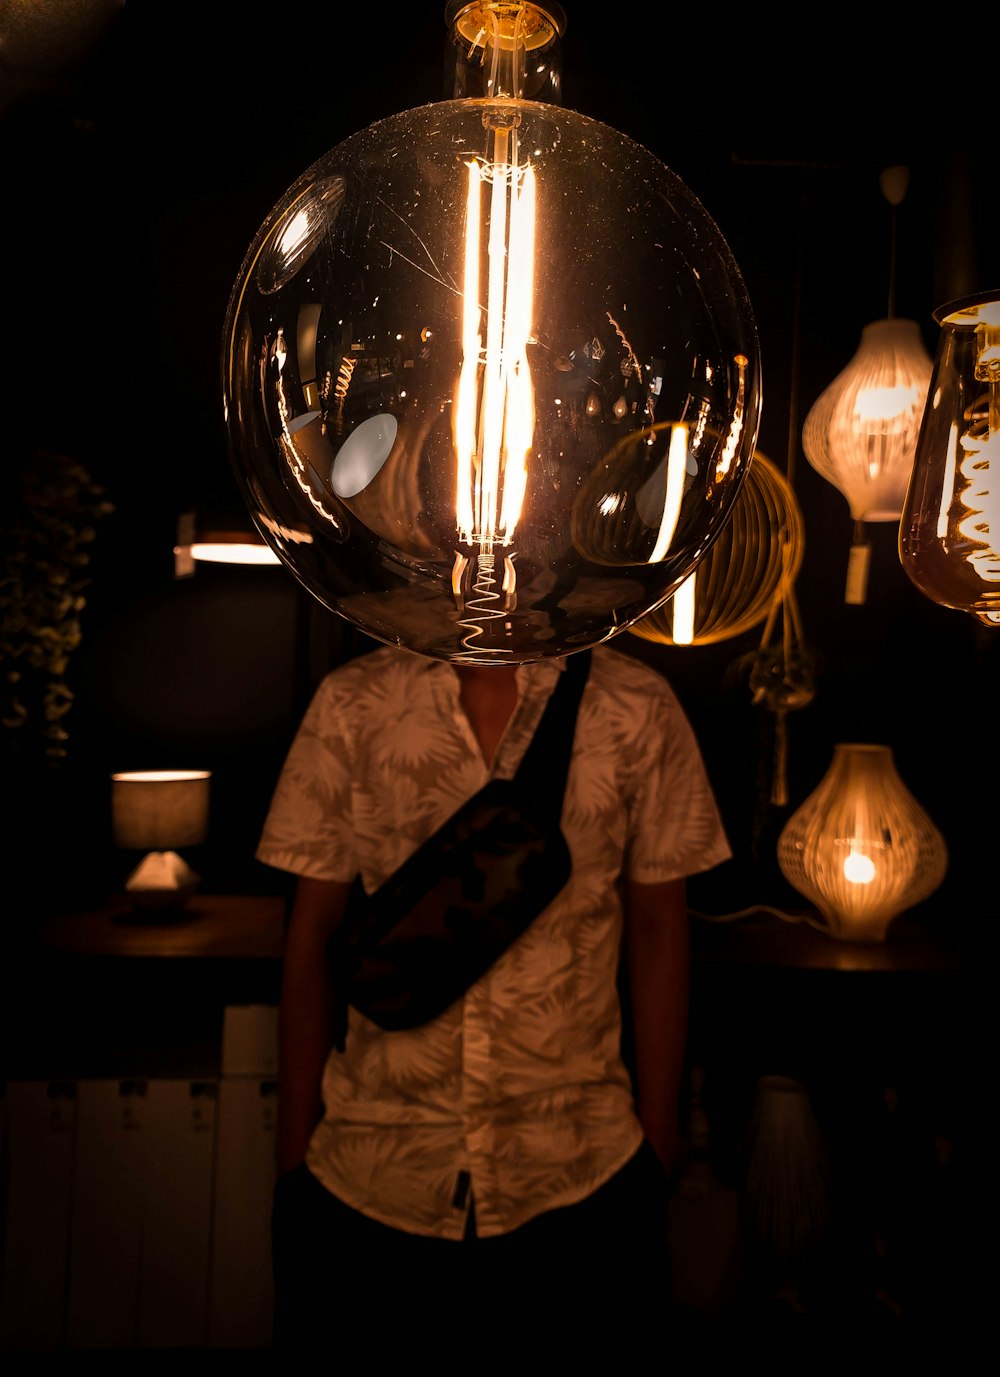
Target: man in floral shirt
pixel 506 1138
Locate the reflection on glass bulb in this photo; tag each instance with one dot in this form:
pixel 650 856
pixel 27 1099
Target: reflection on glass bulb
pixel 732 445
pixel 294 234
pixel 673 490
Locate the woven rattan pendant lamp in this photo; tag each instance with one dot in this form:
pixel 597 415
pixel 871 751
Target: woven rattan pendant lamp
pixel 731 591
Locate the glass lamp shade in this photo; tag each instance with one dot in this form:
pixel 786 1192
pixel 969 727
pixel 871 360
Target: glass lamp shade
pixel 860 847
pixel 758 553
pixel 949 537
pixel 491 380
pixel 861 432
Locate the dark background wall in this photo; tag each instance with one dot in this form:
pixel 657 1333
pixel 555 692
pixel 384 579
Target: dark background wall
pixel 141 148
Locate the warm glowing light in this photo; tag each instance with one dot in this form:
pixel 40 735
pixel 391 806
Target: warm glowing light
pixel 234 552
pixel 682 606
pixel 467 395
pixel 674 491
pixel 878 408
pixel 457 571
pixel 980 467
pixel 157 776
pixel 731 447
pixel 861 432
pixel 494 410
pixel 859 868
pixel 294 234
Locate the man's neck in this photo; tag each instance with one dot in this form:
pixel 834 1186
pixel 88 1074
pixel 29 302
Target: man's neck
pixel 488 694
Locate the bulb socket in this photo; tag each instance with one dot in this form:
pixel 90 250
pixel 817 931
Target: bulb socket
pixel 504 50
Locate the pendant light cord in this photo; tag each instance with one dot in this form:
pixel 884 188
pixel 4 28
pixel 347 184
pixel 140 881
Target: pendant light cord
pixel 893 182
pixel 793 381
pixel 891 309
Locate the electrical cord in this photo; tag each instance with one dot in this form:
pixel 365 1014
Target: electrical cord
pixel 748 913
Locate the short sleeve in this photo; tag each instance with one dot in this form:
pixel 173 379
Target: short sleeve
pixel 675 828
pixel 308 829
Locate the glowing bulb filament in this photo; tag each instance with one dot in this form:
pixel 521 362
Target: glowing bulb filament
pixel 980 468
pixel 465 406
pixel 736 427
pixel 980 465
pixel 494 408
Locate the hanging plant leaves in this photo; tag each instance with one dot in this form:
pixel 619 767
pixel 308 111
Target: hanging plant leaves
pixel 48 524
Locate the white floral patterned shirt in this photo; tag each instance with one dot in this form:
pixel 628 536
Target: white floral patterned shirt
pixel 519 1088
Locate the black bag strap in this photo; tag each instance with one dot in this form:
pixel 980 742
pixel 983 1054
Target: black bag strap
pixel 539 783
pixel 545 764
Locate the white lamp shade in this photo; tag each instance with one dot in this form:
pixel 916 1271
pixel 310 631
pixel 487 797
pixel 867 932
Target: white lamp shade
pixel 861 433
pixel 860 847
pixel 160 810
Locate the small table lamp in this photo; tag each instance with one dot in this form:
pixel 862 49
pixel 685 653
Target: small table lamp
pixel 157 811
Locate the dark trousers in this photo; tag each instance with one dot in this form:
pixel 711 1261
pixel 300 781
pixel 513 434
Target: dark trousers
pixel 570 1278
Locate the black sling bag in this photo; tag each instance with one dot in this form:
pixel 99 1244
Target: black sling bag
pixel 403 954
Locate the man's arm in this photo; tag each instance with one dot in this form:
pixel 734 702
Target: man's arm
pixel 659 955
pixel 305 1015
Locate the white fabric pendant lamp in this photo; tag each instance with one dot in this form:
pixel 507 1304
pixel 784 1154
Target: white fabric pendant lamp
pixel 861 432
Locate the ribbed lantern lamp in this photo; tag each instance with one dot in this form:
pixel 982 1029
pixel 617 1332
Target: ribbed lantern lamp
pixel 861 848
pixel 861 432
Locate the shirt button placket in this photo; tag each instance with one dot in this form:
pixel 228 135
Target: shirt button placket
pixel 476 1063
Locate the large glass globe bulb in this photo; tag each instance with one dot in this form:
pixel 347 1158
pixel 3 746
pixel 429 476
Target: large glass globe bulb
pixel 491 380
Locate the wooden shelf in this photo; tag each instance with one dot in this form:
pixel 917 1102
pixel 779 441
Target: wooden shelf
pixel 766 940
pixel 210 927
pixel 251 927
